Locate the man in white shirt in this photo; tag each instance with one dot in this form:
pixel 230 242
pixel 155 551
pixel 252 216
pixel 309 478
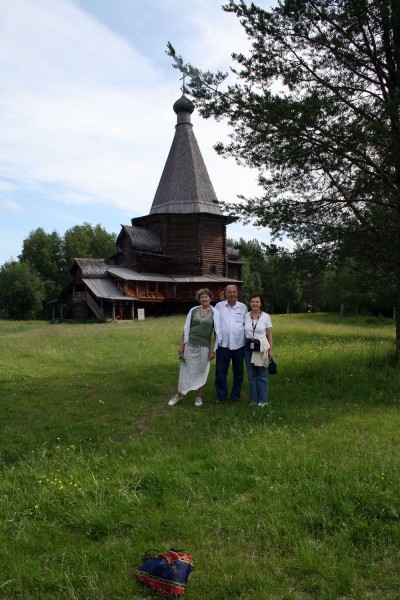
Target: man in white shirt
pixel 231 346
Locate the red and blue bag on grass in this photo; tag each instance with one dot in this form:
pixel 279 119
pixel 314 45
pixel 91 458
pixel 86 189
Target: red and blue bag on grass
pixel 166 573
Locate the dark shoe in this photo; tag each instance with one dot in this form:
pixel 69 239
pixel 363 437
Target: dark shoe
pixel 220 401
pixel 235 399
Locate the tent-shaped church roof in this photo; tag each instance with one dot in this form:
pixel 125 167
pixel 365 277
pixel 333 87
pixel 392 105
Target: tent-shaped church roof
pixel 185 186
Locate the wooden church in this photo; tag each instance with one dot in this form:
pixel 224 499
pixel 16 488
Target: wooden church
pixel 163 258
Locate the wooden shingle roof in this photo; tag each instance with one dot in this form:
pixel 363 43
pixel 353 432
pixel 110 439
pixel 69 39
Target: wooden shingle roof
pixel 105 288
pixel 185 186
pixel 232 253
pixel 141 239
pixel 127 274
pixel 92 268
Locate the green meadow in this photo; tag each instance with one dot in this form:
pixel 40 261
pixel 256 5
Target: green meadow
pixel 296 501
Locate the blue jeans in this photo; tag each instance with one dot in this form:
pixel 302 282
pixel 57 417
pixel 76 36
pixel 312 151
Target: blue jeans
pixel 224 357
pixel 258 380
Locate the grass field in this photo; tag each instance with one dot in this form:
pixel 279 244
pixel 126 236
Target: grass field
pixel 300 500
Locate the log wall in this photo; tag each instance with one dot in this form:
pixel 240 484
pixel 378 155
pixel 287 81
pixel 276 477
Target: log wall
pixel 212 246
pixel 194 243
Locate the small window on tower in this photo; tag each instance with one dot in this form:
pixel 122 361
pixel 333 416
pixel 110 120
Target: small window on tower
pixel 213 269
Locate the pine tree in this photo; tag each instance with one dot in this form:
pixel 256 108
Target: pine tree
pixel 316 108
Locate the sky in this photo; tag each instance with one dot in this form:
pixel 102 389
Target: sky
pixel 86 119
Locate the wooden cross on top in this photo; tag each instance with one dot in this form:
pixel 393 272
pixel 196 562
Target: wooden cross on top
pixel 183 83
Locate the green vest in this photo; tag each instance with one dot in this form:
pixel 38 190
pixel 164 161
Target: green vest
pixel 201 328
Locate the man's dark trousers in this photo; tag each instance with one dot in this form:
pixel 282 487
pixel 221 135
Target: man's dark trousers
pixel 224 357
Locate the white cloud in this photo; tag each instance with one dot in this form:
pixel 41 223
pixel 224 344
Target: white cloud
pixel 97 143
pixel 45 42
pixel 75 112
pixel 86 116
pixel 11 206
pixel 6 186
pixel 213 46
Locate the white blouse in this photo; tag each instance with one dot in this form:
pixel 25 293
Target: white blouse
pixel 256 327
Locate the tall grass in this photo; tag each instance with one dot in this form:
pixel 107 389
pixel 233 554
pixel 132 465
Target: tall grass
pixel 296 501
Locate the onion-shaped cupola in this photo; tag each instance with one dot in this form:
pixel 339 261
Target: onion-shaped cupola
pixel 183 109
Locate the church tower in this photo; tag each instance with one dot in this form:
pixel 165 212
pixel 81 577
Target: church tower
pixel 163 258
pixel 185 213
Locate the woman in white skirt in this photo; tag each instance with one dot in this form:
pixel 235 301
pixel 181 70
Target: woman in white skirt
pixel 196 349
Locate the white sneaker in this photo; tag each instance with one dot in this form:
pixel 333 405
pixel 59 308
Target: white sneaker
pixel 174 400
pixel 262 404
pixel 198 401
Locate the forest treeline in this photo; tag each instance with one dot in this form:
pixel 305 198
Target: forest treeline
pixel 292 281
pixel 41 270
pixel 303 281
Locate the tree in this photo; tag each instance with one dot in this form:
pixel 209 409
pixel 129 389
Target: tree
pixel 87 241
pixel 346 284
pixel 252 252
pixel 316 107
pixel 251 283
pixel 285 285
pixel 44 252
pixel 22 291
pixel 290 281
pixel 50 256
pixel 277 271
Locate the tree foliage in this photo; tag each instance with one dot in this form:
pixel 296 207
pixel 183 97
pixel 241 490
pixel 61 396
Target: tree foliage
pixel 316 107
pixel 86 241
pixel 289 280
pixel 44 263
pixel 22 290
pixel 356 287
pixel 44 252
pixel 52 255
pixel 251 283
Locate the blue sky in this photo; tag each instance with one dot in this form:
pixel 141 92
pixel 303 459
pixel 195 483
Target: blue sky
pixel 86 120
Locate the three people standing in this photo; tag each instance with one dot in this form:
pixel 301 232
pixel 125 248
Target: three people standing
pixel 238 335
